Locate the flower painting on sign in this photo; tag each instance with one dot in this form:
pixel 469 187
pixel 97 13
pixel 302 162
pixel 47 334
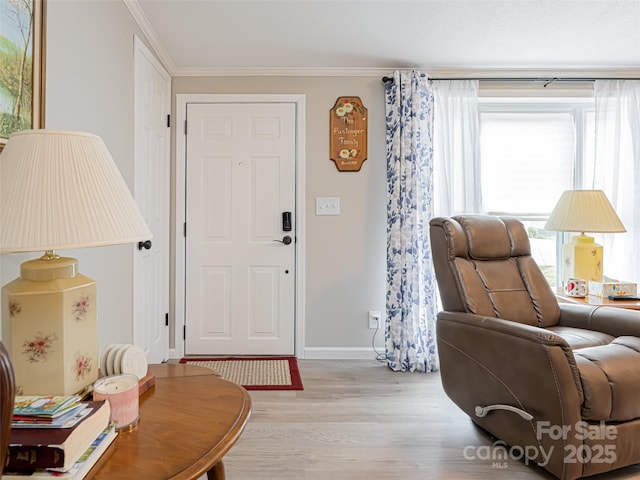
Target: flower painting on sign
pixel 348 134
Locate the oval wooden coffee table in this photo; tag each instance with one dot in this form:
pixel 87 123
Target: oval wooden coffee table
pixel 188 422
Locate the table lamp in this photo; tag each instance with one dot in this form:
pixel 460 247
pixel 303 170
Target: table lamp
pixel 58 190
pixel 583 211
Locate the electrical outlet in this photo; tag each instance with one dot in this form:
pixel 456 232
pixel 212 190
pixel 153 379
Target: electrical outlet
pixel 374 319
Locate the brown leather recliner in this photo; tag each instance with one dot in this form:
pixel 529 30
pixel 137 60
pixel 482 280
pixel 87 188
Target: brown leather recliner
pixel 561 382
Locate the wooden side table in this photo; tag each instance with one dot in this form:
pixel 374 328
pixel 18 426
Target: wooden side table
pixel 188 422
pixel 599 301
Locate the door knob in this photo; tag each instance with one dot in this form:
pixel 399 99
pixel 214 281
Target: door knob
pixel 146 244
pixel 286 240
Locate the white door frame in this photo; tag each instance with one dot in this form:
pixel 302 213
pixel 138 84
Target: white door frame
pixel 180 295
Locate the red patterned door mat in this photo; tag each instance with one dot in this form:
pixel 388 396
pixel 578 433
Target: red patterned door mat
pixel 254 373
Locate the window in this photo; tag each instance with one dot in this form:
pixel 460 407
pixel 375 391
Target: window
pixel 532 150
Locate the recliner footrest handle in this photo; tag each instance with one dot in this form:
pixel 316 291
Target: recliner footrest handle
pixel 482 411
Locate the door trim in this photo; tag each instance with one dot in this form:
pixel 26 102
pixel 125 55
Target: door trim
pixel 180 208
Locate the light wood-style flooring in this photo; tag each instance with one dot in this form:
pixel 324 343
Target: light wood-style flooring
pixel 360 420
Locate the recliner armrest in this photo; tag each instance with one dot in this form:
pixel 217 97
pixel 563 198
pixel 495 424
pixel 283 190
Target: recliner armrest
pixel 534 334
pixel 490 362
pixel 614 321
pixel 503 343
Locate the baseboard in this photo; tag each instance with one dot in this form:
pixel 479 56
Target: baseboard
pixel 325 353
pixel 340 353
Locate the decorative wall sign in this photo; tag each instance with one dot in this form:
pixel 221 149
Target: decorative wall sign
pixel 348 134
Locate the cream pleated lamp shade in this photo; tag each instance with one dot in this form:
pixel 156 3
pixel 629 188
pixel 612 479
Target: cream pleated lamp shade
pixel 62 190
pixel 584 211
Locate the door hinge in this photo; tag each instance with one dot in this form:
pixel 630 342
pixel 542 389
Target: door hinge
pixel 169 121
pixel 184 332
pixel 184 229
pixel 166 319
pixel 185 127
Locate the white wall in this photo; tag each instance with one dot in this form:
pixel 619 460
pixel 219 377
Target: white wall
pixel 346 254
pixel 89 87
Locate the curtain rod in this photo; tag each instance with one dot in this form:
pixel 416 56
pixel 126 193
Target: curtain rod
pixel 548 80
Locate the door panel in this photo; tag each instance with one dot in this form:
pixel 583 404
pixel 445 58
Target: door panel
pixel 240 277
pixel 152 194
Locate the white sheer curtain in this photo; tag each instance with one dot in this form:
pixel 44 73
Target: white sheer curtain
pixel 456 147
pixel 617 171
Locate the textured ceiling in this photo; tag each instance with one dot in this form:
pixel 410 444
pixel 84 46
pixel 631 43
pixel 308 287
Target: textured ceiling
pixel 379 34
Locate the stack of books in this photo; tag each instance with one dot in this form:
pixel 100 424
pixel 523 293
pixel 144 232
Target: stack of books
pixel 57 436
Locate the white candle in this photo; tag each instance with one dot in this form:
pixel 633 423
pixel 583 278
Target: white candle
pixel 121 391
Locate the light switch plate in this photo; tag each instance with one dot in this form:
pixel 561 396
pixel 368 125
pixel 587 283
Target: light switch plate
pixel 327 205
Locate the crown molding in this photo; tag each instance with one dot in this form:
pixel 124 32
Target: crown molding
pixel 150 34
pixel 280 72
pixel 435 72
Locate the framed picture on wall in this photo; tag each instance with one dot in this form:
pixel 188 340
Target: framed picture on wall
pixel 22 42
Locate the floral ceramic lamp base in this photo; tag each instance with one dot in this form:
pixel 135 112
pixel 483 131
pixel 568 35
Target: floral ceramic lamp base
pixel 50 329
pixel 582 258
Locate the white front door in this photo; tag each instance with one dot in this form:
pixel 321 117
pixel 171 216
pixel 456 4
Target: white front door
pixel 152 194
pixel 240 266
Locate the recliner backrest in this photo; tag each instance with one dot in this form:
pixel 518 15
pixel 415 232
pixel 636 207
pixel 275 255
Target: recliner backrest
pixel 484 266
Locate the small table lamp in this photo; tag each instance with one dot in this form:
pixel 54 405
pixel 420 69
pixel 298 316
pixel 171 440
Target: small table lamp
pixel 583 211
pixel 58 190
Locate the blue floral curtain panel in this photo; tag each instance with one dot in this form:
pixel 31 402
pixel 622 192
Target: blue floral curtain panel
pixel 411 286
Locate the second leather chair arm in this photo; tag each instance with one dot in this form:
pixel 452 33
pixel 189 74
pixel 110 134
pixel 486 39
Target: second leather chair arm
pixel 611 320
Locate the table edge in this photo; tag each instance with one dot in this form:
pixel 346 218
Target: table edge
pixel 217 452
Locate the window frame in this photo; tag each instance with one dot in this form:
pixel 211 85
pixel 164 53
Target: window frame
pixel 579 107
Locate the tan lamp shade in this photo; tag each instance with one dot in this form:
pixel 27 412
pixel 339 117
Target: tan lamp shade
pixel 584 211
pixel 62 190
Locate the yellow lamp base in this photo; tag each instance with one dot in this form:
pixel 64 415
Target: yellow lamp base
pixel 582 258
pixel 49 327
